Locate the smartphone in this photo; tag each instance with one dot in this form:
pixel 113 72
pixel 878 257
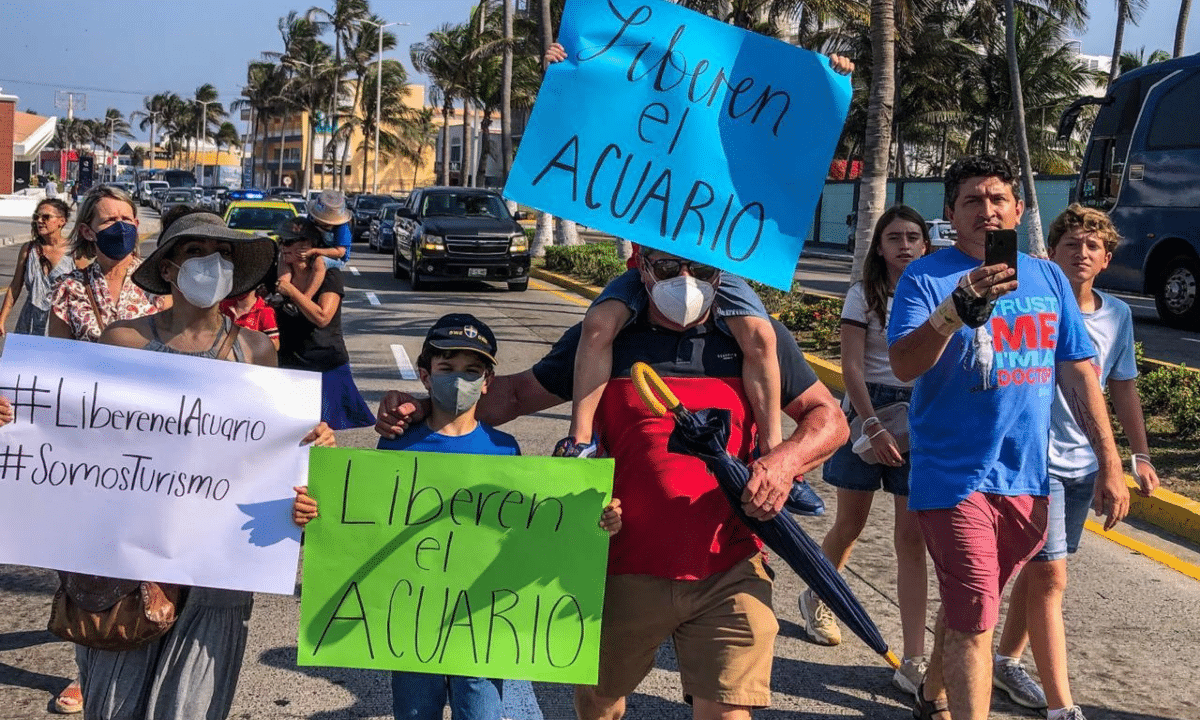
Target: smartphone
pixel 1000 246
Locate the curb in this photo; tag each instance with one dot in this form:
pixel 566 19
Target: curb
pixel 1169 511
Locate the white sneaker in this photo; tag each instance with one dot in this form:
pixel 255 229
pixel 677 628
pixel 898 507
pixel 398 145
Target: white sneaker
pixel 819 622
pixel 909 675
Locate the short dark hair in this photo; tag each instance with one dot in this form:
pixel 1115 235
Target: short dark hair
pixel 980 166
pixel 428 354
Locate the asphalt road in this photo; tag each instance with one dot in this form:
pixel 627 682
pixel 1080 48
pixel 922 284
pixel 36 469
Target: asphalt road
pixel 828 270
pixel 1131 623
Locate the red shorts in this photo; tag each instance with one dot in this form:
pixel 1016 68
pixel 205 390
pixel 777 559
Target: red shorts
pixel 977 546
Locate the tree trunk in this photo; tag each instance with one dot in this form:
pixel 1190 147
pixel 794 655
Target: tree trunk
pixel 543 235
pixel 1118 39
pixel 872 184
pixel 485 147
pixel 468 146
pixel 308 165
pixel 367 138
pixel 1033 222
pixel 567 233
pixel 445 174
pixel 506 96
pixel 1185 9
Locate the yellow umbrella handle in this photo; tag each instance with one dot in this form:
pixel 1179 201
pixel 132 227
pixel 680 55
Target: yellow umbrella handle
pixel 650 387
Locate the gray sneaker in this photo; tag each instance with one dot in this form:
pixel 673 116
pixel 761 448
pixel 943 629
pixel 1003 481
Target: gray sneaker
pixel 1073 713
pixel 820 624
pixel 1012 678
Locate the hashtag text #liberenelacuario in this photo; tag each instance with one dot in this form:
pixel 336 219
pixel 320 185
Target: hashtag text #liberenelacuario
pixel 190 419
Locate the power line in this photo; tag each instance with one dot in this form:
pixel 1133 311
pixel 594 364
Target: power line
pixel 84 87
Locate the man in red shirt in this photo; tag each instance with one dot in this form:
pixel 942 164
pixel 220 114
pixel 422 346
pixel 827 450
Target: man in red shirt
pixel 684 565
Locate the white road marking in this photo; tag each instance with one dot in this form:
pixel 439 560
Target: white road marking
pixel 520 702
pixel 354 270
pixel 403 364
pixel 373 298
pixel 1191 339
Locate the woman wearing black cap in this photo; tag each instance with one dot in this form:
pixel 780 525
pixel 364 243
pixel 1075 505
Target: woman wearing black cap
pixel 192 670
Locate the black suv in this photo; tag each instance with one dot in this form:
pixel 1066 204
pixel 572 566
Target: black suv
pixel 455 233
pixel 366 208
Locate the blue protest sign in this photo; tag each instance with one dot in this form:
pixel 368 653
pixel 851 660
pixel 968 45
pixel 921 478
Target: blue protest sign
pixel 682 133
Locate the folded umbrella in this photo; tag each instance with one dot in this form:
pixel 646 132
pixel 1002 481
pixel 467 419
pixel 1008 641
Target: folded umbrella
pixel 704 434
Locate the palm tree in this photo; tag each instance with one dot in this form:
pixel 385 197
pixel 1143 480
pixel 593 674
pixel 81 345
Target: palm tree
pixel 1185 9
pixel 206 113
pixel 1127 11
pixel 1137 58
pixel 443 57
pixel 312 76
pixel 227 136
pixel 419 134
pixel 345 18
pixel 263 95
pixel 506 80
pixel 362 48
pixel 153 108
pixel 393 91
pixel 873 183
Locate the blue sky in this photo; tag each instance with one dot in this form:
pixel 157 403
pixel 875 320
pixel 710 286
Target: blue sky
pixel 117 52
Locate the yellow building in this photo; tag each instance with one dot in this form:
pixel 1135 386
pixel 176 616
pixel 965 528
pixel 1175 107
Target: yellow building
pixel 281 149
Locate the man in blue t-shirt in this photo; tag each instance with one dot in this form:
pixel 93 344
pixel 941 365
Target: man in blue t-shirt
pixel 987 346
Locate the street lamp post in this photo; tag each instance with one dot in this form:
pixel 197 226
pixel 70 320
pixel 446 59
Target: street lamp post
pixel 203 123
pixel 378 97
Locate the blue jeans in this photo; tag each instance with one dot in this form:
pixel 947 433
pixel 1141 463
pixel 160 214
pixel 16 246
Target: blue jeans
pixel 846 470
pixel 417 696
pixel 1070 500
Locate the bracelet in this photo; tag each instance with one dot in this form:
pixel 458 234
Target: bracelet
pixel 873 420
pixel 877 433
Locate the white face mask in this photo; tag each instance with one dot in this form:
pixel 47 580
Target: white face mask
pixel 682 299
pixel 205 281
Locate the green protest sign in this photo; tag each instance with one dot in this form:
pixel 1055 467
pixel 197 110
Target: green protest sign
pixel 471 565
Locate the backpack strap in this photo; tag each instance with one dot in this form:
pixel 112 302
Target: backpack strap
pixel 230 339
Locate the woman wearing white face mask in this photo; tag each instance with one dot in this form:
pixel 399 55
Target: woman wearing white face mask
pixel 192 670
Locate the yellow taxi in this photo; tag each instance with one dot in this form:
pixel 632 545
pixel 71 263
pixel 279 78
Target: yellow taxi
pixel 258 217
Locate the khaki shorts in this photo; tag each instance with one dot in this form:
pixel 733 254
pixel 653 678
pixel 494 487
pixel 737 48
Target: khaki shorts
pixel 723 628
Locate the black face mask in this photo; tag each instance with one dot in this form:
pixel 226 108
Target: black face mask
pixel 117 240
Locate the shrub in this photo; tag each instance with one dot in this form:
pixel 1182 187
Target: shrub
pixel 818 320
pixel 595 263
pixel 1174 393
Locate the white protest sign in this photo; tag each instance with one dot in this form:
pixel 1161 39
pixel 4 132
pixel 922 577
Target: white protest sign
pixel 152 466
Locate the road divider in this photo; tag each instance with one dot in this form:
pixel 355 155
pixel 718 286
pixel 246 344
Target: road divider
pixel 1166 510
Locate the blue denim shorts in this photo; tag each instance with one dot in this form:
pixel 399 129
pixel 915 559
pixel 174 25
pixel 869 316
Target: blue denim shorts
pixel 1070 500
pixel 734 296
pixel 846 470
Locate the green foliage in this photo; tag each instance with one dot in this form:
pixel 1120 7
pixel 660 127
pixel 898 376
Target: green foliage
pixel 1175 394
pixel 818 320
pixel 595 263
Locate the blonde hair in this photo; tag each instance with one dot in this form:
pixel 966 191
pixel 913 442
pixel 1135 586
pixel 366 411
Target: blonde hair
pixel 1089 220
pixel 81 246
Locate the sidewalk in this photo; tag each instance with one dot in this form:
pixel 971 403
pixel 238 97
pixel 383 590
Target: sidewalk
pixel 1166 510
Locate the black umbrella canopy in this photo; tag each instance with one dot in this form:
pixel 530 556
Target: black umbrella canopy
pixel 704 434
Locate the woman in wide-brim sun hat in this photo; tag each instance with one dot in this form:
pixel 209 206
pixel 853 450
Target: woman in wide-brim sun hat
pixel 192 670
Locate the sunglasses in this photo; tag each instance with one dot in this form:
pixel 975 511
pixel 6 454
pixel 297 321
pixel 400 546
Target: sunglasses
pixel 46 217
pixel 667 268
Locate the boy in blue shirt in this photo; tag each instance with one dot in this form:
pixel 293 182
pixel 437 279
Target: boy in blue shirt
pixel 1081 243
pixel 456 365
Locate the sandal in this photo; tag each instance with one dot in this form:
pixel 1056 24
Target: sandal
pixel 70 700
pixel 930 709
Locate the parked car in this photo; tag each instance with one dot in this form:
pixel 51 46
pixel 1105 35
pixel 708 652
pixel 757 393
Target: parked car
pixel 156 197
pixel 244 194
pixel 365 209
pixel 258 217
pixel 212 197
pixel 941 233
pixel 282 191
pixel 147 188
pixel 455 233
pixel 178 196
pixel 382 234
